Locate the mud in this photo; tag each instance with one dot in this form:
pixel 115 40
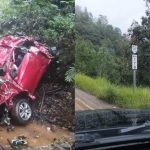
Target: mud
pixel 37 134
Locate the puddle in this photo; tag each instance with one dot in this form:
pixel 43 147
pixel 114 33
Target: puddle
pixel 37 134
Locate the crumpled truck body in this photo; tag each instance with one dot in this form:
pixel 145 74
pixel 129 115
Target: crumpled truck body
pixel 24 61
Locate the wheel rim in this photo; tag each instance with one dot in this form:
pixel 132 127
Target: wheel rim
pixel 25 111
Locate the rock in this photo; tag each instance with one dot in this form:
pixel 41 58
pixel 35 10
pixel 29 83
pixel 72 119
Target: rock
pixel 53 128
pixel 37 136
pixel 64 128
pixel 66 146
pixel 48 129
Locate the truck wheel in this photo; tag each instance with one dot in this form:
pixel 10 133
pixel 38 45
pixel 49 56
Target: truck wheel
pixel 22 111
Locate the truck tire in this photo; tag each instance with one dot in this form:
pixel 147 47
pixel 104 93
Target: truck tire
pixel 22 111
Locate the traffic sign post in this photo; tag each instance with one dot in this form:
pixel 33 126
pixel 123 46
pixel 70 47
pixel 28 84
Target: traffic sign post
pixel 134 61
pixel 134 79
pixel 134 64
pixel 134 49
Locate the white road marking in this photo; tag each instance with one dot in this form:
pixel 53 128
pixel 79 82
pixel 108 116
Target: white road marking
pixel 84 104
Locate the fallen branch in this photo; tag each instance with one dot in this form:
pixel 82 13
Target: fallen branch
pixel 53 91
pixel 42 100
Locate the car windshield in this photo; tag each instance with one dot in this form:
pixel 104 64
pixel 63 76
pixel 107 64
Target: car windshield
pixel 110 118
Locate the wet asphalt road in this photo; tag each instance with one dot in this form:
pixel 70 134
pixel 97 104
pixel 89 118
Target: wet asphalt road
pixel 85 101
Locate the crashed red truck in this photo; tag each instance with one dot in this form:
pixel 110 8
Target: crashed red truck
pixel 23 62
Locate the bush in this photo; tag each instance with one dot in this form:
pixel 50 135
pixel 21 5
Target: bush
pixel 122 96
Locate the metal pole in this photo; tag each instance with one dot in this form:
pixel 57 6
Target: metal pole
pixel 134 79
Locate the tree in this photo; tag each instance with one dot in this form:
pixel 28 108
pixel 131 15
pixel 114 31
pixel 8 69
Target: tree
pixel 49 21
pixel 101 49
pixel 141 36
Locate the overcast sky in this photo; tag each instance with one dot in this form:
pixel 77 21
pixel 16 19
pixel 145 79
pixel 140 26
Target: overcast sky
pixel 120 13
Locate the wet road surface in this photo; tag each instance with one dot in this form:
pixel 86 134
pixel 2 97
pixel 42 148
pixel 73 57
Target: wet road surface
pixel 85 101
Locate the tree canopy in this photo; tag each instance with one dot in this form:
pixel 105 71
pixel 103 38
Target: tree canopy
pixel 49 21
pixel 101 49
pixel 141 36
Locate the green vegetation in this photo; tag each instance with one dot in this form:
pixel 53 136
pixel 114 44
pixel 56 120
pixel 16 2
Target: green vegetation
pixel 141 36
pixel 48 21
pixel 103 59
pixel 103 51
pixel 122 96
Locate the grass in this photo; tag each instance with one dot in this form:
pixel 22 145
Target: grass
pixel 119 95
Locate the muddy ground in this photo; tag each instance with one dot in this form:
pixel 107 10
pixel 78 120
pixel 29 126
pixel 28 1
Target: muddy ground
pixel 37 135
pixel 52 124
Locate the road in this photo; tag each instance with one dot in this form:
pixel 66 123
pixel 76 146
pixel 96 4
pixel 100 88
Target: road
pixel 85 101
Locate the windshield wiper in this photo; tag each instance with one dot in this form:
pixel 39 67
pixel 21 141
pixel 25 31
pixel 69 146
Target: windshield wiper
pixel 129 129
pixel 117 142
pixel 84 138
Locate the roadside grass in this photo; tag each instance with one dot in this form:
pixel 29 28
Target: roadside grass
pixel 121 96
